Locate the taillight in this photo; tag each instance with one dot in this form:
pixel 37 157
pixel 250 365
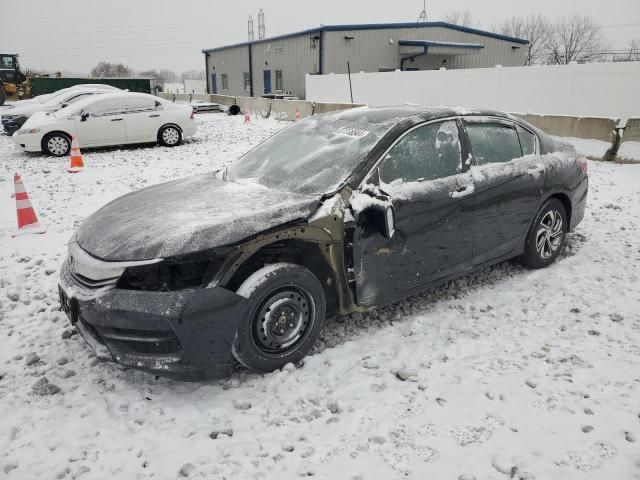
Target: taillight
pixel 582 162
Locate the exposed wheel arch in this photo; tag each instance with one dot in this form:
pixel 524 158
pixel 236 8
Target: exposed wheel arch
pixel 297 251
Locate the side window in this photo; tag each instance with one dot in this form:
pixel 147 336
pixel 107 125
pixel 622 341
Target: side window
pixel 76 98
pixel 138 105
pixel 427 153
pixel 493 143
pixel 106 107
pixel 528 141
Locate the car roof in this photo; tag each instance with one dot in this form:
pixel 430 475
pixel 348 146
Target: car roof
pixel 398 113
pixel 104 95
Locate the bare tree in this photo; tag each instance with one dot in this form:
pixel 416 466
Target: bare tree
pixel 106 69
pixel 634 50
pixel 464 19
pixel 536 29
pixel 575 39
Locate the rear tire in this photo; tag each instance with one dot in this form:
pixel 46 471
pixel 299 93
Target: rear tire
pixel 169 136
pixel 56 144
pixel 546 236
pixel 284 319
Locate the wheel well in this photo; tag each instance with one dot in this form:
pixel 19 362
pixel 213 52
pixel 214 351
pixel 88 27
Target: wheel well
pixel 566 202
pixel 306 254
pixel 48 134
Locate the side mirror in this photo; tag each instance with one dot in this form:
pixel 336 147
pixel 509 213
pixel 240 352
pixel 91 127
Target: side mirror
pixel 84 116
pixel 64 105
pixel 388 220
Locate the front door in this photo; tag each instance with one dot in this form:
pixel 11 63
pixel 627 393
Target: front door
pixel 267 81
pixel 422 177
pixel 214 84
pixel 509 179
pixel 103 124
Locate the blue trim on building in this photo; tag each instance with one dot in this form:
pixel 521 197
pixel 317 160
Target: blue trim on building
pixel 435 43
pixel 377 26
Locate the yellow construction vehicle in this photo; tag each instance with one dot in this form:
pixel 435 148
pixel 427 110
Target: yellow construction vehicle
pixel 13 83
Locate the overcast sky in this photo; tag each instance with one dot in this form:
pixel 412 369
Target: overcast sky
pixel 74 35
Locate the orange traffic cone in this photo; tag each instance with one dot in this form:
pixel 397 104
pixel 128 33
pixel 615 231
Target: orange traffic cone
pixel 298 117
pixel 27 218
pixel 247 117
pixel 76 163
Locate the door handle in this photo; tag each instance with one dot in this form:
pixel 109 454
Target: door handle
pixel 153 116
pixel 116 119
pixel 536 170
pixel 463 191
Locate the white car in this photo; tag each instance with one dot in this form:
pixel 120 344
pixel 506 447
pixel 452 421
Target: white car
pixel 108 119
pixel 45 97
pixel 14 118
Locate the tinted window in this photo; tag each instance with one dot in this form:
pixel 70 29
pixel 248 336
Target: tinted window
pixel 493 143
pixel 527 141
pixel 427 153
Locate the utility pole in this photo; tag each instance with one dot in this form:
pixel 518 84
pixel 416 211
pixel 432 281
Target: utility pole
pixel 261 27
pixel 423 13
pixel 250 29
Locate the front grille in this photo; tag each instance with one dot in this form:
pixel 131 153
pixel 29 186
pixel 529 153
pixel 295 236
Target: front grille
pixel 92 284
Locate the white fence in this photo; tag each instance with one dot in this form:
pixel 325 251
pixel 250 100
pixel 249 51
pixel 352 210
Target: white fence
pixel 597 89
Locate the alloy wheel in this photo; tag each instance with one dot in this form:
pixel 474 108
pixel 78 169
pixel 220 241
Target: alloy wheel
pixel 549 234
pixel 58 145
pixel 171 136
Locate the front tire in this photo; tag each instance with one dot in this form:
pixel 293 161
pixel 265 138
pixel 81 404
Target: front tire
pixel 284 319
pixel 546 236
pixel 169 136
pixel 56 144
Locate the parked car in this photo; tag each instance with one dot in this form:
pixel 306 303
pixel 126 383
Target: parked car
pixel 13 118
pixel 45 97
pixel 108 119
pixel 338 213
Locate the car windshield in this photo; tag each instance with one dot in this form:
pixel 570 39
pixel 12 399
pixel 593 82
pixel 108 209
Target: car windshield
pixel 314 155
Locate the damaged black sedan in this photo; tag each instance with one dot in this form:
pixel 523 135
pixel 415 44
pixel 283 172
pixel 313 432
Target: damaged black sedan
pixel 337 213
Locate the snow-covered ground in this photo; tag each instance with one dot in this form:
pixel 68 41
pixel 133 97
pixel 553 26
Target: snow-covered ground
pixel 508 373
pixel 629 151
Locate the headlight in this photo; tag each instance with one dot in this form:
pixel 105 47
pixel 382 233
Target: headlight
pixel 28 130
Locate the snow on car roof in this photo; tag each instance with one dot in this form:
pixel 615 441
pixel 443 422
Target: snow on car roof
pixel 85 102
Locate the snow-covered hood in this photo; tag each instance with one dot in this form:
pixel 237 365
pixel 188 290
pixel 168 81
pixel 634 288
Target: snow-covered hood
pixel 185 216
pixel 28 110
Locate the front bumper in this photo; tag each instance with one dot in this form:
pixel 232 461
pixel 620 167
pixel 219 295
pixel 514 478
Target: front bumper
pixel 30 142
pixel 186 335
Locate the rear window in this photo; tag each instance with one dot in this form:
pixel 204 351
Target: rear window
pixel 493 143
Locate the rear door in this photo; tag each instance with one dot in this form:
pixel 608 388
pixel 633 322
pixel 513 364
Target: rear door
pixel 142 118
pixel 509 179
pixel 104 124
pixel 422 176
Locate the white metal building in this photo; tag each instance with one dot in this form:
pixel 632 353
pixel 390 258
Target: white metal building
pixel 278 65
